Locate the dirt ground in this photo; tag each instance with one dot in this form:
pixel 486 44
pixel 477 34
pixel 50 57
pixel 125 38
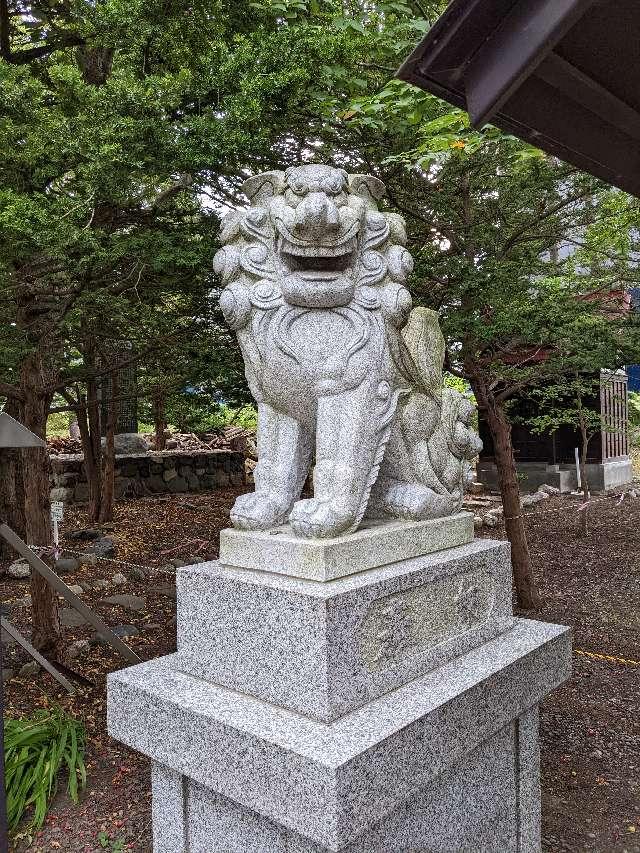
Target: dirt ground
pixel 590 727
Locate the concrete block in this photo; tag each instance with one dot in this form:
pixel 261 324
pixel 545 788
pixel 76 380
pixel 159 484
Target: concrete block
pixel 335 784
pixel 609 475
pixel 472 806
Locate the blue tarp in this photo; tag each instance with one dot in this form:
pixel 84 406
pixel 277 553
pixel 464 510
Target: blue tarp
pixel 633 371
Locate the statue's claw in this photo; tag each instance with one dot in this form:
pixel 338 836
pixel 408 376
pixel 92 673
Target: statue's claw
pixel 258 512
pixel 318 519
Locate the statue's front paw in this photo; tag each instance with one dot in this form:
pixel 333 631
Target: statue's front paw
pixel 317 519
pixel 257 512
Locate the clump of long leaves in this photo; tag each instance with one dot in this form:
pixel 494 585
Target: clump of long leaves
pixel 36 750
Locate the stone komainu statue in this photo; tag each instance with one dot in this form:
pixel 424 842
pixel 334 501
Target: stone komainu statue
pixel 338 362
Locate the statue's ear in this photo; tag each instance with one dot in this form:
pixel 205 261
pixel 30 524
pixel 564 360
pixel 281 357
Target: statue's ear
pixel 261 187
pixel 368 187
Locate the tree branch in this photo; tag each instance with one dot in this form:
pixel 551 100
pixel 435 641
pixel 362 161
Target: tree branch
pixel 23 57
pixel 11 391
pixel 512 240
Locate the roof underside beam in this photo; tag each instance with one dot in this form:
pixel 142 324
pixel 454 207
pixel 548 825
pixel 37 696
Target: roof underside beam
pixel 569 80
pixel 514 51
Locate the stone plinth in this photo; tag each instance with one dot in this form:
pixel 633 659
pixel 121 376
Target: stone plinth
pixel 448 762
pixel 374 544
pixel 394 709
pixel 324 649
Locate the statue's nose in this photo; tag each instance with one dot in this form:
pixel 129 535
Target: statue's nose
pixel 315 214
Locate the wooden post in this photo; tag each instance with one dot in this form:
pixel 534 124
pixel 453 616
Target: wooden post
pixel 35 654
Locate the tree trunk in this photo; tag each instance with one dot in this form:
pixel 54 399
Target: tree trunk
pixel 526 592
pixel 11 487
pixel 108 476
pixel 87 414
pixel 95 431
pixel 91 467
pixel 47 633
pixel 159 420
pixel 95 64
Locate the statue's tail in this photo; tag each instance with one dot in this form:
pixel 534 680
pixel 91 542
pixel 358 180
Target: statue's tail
pixel 425 344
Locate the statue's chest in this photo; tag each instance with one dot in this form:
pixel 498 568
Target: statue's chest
pixel 325 350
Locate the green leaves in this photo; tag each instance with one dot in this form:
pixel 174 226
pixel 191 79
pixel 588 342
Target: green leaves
pixel 36 750
pixel 634 408
pixel 288 9
pixel 106 842
pixel 119 185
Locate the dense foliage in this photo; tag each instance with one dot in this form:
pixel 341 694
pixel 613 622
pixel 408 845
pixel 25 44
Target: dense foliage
pixel 129 126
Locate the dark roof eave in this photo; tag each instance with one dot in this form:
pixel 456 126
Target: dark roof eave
pixel 502 61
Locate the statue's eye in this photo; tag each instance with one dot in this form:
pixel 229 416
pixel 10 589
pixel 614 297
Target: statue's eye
pixel 298 188
pixel 332 186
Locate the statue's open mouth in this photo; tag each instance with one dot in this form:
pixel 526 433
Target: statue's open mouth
pixel 317 276
pixel 315 266
pixel 317 261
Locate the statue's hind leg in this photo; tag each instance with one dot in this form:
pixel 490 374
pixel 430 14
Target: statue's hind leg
pixel 284 452
pixel 352 430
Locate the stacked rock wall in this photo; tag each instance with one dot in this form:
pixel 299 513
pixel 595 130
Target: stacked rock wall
pixel 151 473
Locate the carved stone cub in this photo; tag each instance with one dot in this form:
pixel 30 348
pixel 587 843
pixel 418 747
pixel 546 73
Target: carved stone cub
pixel 337 361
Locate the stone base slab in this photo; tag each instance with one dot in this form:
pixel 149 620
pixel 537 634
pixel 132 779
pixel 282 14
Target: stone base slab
pixel 324 649
pixel 610 474
pixel 530 476
pixel 334 784
pixel 375 543
pixel 489 801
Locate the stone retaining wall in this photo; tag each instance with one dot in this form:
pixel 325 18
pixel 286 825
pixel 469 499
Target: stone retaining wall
pixel 151 473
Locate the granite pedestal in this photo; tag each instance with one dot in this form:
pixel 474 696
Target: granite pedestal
pixel 390 710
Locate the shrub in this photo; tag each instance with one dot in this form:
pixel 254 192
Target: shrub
pixel 36 749
pixel 58 423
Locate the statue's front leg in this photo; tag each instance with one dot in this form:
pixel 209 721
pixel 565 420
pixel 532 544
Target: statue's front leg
pixel 352 428
pixel 284 451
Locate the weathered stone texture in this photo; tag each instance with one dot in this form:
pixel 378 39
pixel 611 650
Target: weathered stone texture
pixel 374 544
pixel 333 784
pixel 324 649
pixel 337 361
